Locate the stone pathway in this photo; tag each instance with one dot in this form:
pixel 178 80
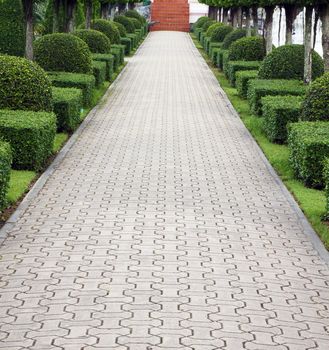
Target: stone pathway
pixel 163 228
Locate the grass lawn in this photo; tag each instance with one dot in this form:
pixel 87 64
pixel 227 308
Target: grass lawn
pixel 311 201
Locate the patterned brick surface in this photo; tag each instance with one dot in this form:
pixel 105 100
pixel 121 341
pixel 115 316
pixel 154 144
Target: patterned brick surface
pixel 162 229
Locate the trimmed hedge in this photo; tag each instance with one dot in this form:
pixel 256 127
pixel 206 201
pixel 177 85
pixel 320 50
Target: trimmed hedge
pixel 326 184
pixel 96 41
pixel 247 49
pixel 108 28
pixel 316 104
pixel 23 85
pixel 137 24
pixel 309 147
pixel 207 24
pixel 232 37
pixel 67 107
pixel 212 28
pixel 63 52
pixel 278 111
pixel 31 136
pixel 109 60
pixel 5 168
pixel 122 29
pixel 213 54
pixel 220 33
pixel 242 81
pixel 85 82
pixel 220 58
pixel 287 62
pixel 127 42
pixel 99 70
pixel 259 88
pixel 135 14
pixel 232 67
pixel 134 39
pixel 126 22
pixel 121 50
pixel 200 22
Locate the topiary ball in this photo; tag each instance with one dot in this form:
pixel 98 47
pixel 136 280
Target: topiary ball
pixel 212 28
pixel 200 22
pixel 287 62
pixel 135 14
pixel 316 103
pixel 247 49
pixel 96 41
pixel 220 33
pixel 127 22
pixel 207 24
pixel 108 28
pixel 137 24
pixel 24 85
pixel 63 52
pixel 232 37
pixel 121 28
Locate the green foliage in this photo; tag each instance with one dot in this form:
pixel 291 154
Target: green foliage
pixel 122 29
pixel 63 52
pixel 212 28
pixel 278 111
pixel 137 24
pixel 287 62
pixel 242 81
pixel 316 104
pixel 200 22
pixel 23 85
pixel 12 32
pixel 126 22
pixel 99 70
pixel 247 49
pixel 135 14
pixel 134 39
pixel 220 58
pixel 232 67
pixel 30 135
pixel 96 41
pixel 120 51
pixel 233 36
pixel 109 60
pixel 207 24
pixel 259 88
pixel 108 28
pixel 326 184
pixel 309 147
pixel 5 166
pixel 219 33
pixel 67 107
pixel 213 54
pixel 85 82
pixel 127 42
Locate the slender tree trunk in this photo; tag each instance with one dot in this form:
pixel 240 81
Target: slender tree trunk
pixel 308 45
pixel 122 8
pixel 324 15
pixel 220 14
pixel 315 26
pixel 254 11
pixel 269 10
pixel 131 5
pixel 105 11
pixel 29 35
pixel 239 17
pixel 248 26
pixel 291 12
pixel 56 6
pixel 225 16
pixel 280 24
pixel 70 14
pixel 89 13
pixel 234 17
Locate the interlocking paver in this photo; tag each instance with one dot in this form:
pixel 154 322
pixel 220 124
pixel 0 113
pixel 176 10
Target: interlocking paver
pixel 163 228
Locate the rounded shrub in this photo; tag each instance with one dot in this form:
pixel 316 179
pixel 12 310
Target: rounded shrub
pixel 135 14
pixel 316 103
pixel 137 24
pixel 287 62
pixel 247 49
pixel 96 41
pixel 127 22
pixel 121 28
pixel 207 24
pixel 63 52
pixel 23 85
pixel 200 22
pixel 232 37
pixel 220 33
pixel 108 28
pixel 212 28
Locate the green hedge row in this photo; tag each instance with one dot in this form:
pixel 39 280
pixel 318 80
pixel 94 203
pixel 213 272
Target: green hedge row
pixel 5 167
pixel 242 81
pixel 232 67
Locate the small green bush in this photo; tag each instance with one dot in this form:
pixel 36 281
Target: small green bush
pixel 109 60
pixel 134 39
pixel 108 28
pixel 31 136
pixel 121 50
pixel 200 22
pixel 96 41
pixel 278 112
pixel 247 49
pixel 85 82
pixel 287 62
pixel 259 88
pixel 232 67
pixel 220 58
pixel 309 147
pixel 212 28
pixel 213 54
pixel 23 85
pixel 99 69
pixel 67 107
pixel 63 52
pixel 127 42
pixel 126 22
pixel 135 14
pixel 316 104
pixel 219 33
pixel 137 24
pixel 5 167
pixel 207 24
pixel 233 36
pixel 242 81
pixel 326 184
pixel 122 29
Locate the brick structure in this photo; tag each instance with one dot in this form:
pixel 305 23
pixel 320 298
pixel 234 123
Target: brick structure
pixel 171 15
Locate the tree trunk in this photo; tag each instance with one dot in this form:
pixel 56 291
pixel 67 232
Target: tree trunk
pixel 254 11
pixel 225 16
pixel 122 8
pixel 248 27
pixel 56 6
pixel 29 35
pixel 269 10
pixel 291 12
pixel 70 12
pixel 315 26
pixel 131 5
pixel 280 24
pixel 89 13
pixel 324 15
pixel 308 45
pixel 104 11
pixel 239 16
pixel 234 17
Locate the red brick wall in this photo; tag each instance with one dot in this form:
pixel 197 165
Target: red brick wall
pixel 171 15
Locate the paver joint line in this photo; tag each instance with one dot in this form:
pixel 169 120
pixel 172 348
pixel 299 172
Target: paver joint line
pixel 162 226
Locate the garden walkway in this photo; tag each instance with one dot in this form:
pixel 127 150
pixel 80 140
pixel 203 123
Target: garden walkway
pixel 162 227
